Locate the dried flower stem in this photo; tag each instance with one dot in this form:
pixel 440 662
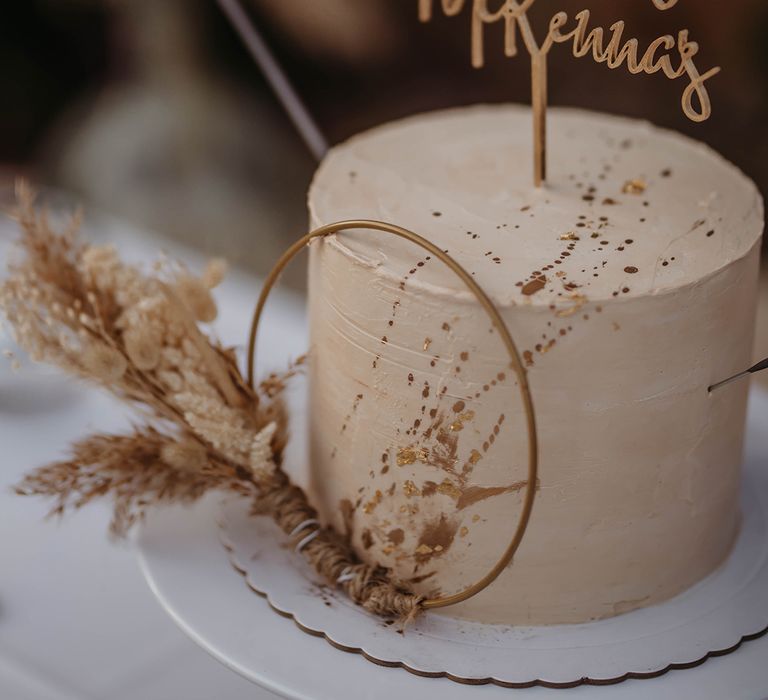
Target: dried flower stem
pixel 81 308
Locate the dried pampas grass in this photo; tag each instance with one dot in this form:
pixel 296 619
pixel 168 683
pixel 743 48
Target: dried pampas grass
pixel 81 308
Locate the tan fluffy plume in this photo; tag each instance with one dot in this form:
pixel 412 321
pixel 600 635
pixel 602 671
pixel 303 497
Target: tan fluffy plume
pixel 83 309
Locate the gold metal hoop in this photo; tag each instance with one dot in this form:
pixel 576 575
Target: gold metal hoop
pixel 498 324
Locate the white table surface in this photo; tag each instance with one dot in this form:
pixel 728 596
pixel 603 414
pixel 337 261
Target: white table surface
pixel 77 620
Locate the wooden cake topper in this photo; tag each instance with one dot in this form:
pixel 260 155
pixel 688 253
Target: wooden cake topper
pixel 673 56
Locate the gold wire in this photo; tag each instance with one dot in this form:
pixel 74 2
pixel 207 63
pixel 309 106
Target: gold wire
pixel 498 324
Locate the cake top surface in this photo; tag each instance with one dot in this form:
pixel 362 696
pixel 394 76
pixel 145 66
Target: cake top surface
pixel 628 209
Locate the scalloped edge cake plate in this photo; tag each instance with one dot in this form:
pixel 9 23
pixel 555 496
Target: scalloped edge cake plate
pixel 711 619
pixel 713 616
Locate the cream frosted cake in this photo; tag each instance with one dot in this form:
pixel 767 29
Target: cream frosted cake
pixel 629 285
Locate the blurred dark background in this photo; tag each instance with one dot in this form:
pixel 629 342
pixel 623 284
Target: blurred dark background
pixel 152 110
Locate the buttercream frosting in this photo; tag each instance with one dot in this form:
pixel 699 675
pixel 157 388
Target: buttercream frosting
pixel 629 285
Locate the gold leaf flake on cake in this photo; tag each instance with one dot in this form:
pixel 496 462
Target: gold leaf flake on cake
pixel 448 488
pixel 410 489
pixel 637 186
pixel 411 455
pixel 458 424
pixel 371 505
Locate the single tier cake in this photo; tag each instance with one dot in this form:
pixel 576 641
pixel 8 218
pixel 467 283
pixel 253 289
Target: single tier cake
pixel 629 285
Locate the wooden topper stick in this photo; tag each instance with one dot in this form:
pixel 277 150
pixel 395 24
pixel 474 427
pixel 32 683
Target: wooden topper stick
pixel 539 92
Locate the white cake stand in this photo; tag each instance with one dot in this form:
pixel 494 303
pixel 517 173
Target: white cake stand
pixel 192 575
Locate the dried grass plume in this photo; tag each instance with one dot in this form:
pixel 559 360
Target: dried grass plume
pixel 83 309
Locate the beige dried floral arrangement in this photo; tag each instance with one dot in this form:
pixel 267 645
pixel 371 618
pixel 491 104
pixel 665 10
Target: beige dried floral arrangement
pixel 79 307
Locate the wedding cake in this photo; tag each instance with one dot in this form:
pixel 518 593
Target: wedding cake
pixel 629 285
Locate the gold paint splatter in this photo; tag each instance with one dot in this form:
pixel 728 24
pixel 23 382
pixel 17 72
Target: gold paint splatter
pixel 436 537
pixel 570 236
pixel 443 454
pixel 464 531
pixel 475 518
pixel 347 514
pixel 535 285
pixel 475 494
pixel 429 488
pixel 427 343
pixel 528 357
pixel 475 457
pixel 544 350
pixel 637 186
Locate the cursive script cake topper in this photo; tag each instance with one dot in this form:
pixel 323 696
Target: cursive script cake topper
pixel 673 56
